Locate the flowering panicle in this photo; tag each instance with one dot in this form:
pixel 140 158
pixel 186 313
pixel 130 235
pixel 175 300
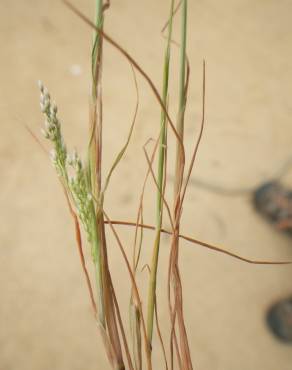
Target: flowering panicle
pixel 79 188
pixel 52 132
pixel 77 185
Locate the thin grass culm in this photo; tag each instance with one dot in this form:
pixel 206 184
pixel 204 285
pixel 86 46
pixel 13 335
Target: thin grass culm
pixel 161 184
pixel 85 186
pixel 176 308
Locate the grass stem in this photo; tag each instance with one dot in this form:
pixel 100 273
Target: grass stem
pixel 161 180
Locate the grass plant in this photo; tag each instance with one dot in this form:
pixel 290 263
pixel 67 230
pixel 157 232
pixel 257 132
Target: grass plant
pixel 85 190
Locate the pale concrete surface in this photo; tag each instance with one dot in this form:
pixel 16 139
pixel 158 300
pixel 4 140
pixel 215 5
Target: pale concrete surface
pixel 45 317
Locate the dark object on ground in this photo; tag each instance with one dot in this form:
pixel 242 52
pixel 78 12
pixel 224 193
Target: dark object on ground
pixel 279 319
pixel 274 202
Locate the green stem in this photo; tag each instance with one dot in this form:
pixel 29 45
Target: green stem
pixel 160 191
pixel 182 97
pixel 96 255
pixel 94 152
pixel 96 49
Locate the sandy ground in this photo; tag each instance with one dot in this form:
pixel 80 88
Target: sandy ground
pixel 45 317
